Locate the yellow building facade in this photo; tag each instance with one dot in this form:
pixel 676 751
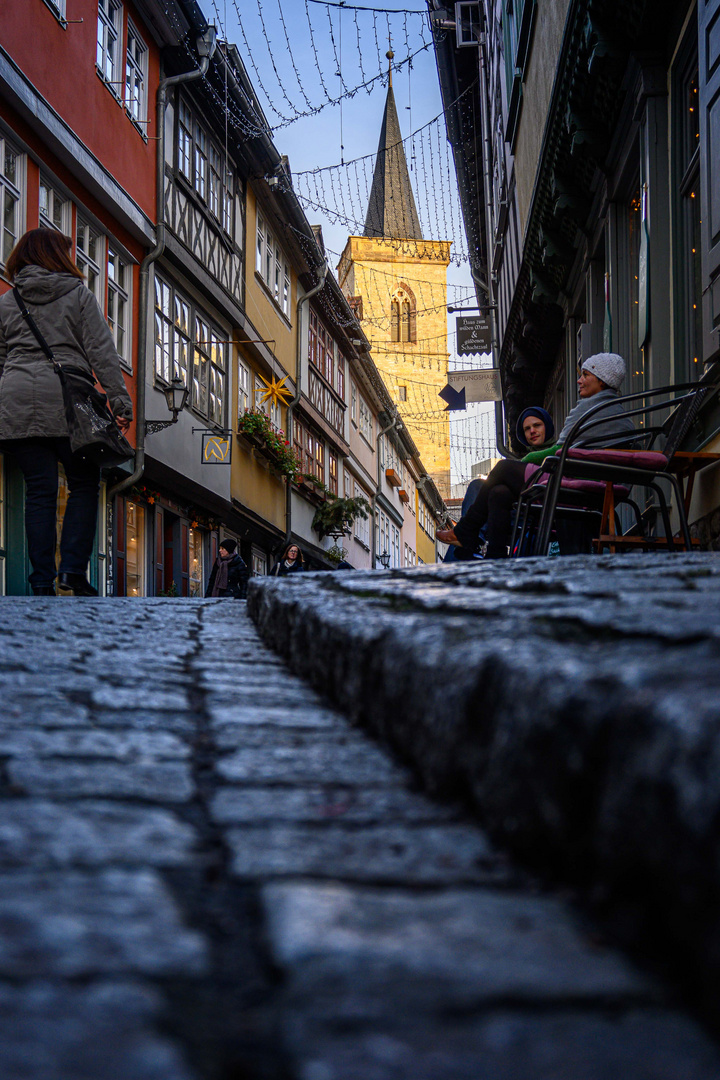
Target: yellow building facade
pixel 396 281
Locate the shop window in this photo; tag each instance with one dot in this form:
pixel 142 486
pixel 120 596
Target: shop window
pixel 196 575
pixel 259 562
pixel 135 550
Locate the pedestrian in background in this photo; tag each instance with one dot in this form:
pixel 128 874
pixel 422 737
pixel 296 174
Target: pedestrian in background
pixel 290 562
pixel 229 575
pixel 33 427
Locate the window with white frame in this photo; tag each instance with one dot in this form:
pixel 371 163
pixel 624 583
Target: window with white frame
pixel 58 8
pixel 136 67
pixel 90 256
pixel 425 517
pixel 395 546
pixel 244 385
pixel 353 402
pixel 362 525
pixel 259 562
pixel 365 419
pixel 208 388
pixel 118 302
pixel 109 36
pixel 270 408
pixel 205 167
pixel 272 266
pixel 410 557
pixel 54 208
pixel 10 195
pixel 185 140
pixel 183 336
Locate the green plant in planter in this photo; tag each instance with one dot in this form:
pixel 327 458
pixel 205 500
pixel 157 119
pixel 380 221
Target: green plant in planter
pixel 337 516
pixel 336 554
pixel 276 447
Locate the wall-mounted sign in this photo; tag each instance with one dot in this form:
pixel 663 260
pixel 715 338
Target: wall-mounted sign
pixel 472 334
pixel 479 385
pixel 216 449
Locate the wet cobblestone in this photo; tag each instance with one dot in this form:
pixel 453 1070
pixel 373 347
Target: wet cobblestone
pixel 208 873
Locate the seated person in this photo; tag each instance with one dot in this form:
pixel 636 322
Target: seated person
pixel 599 381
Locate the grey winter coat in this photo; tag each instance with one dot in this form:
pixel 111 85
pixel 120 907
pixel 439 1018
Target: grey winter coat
pixel 617 422
pixel 69 318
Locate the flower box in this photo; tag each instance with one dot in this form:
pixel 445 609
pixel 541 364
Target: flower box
pixel 392 478
pixel 404 497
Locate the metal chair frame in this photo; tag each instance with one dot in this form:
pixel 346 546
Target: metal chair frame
pixel 674 429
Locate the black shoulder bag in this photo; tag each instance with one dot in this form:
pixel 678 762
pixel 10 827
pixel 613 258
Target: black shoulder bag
pixel 94 434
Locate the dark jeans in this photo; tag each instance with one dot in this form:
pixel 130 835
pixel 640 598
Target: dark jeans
pixel 493 506
pixel 38 460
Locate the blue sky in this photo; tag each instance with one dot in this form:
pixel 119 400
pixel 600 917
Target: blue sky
pixel 299 54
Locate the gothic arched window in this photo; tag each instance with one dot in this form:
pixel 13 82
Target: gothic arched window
pixel 403 315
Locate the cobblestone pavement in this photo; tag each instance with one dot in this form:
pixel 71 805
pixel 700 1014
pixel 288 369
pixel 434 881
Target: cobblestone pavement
pixel 206 873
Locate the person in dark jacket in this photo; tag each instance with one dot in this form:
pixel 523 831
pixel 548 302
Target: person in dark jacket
pixel 599 382
pixel 290 562
pixel 228 576
pixel 32 412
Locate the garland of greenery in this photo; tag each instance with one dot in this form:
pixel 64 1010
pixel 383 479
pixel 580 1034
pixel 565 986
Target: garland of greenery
pixel 275 446
pixel 339 515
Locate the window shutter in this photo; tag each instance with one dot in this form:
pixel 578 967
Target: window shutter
pixel 709 87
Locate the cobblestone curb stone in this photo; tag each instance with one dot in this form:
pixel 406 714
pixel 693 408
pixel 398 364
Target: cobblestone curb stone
pixel 575 701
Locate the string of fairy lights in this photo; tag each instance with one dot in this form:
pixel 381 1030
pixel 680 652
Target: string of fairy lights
pixel 342 52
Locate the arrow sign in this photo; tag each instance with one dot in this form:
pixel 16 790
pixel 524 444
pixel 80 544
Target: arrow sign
pixel 455 398
pixel 480 385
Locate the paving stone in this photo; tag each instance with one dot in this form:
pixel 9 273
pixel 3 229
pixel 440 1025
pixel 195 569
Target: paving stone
pixel 35 832
pixel 100 1032
pixel 164 781
pixel 417 855
pixel 125 746
pixel 320 763
pixel 138 697
pixel 351 951
pixel 503 1045
pixel 46 711
pixel 293 716
pixel 250 805
pixel 105 922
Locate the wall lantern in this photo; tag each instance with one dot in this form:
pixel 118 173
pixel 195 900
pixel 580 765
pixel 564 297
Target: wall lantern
pixel 176 395
pixel 384 560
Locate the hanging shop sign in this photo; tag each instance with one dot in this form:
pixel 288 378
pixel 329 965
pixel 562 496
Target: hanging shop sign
pixel 472 334
pixel 216 446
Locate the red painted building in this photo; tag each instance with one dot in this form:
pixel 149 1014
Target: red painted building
pixel 78 80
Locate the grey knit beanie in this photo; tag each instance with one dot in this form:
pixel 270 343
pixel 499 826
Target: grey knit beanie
pixel 608 367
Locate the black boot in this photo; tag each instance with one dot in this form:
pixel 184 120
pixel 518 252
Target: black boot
pixel 74 585
pixel 43 590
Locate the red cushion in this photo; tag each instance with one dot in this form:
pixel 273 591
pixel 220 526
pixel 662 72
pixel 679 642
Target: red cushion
pixel 635 459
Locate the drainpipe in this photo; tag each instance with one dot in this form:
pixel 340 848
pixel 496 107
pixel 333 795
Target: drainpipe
pixel 207 40
pixel 487 287
pixel 298 388
pixel 397 424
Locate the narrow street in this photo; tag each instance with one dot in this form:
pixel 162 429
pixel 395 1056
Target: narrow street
pixel 207 873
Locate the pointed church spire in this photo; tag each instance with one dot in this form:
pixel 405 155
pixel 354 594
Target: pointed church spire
pixel 391 209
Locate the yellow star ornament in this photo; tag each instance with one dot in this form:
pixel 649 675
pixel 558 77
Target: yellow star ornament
pixel 274 391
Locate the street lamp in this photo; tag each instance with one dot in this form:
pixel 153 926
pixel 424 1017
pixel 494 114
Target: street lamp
pixel 176 395
pixel 384 560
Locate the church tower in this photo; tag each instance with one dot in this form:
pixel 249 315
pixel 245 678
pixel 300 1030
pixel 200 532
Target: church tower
pixel 397 283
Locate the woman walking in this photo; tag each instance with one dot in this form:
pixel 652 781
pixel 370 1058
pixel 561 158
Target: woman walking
pixel 290 562
pixel 228 576
pixel 33 427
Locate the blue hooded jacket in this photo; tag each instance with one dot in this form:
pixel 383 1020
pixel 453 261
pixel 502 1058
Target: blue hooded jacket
pixel 542 414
